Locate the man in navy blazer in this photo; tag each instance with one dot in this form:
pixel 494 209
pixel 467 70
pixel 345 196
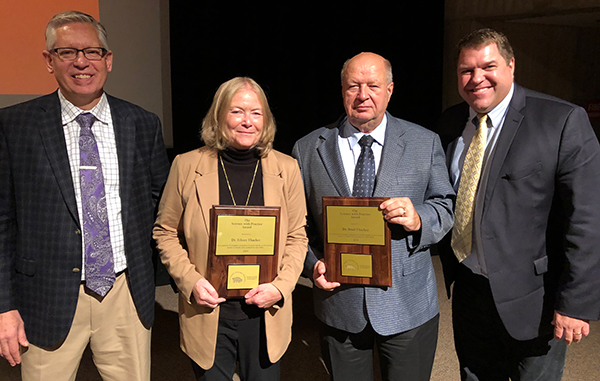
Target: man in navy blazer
pixel 45 306
pixel 401 320
pixel 529 285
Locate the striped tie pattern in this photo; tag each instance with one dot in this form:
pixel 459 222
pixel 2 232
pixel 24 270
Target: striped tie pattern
pixel 462 233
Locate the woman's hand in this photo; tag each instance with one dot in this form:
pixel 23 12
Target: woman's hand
pixel 264 295
pixel 206 295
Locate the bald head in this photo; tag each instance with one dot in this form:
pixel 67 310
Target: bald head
pixel 372 57
pixel 366 88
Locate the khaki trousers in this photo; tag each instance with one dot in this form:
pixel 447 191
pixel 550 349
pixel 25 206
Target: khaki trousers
pixel 119 342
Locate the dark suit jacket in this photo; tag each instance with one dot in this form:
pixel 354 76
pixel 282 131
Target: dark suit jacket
pixel 40 232
pixel 541 212
pixel 412 165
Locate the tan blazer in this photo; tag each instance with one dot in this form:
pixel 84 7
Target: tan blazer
pixel 182 230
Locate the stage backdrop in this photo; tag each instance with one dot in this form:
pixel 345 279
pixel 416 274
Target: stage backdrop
pixel 295 52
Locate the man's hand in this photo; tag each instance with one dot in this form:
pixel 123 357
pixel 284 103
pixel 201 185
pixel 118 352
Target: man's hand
pixel 571 329
pixel 12 333
pixel 206 295
pixel 319 277
pixel 263 296
pixel 400 210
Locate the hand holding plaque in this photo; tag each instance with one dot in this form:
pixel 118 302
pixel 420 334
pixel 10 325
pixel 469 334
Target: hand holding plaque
pixel 320 277
pixel 401 211
pixel 206 295
pixel 357 247
pixel 264 295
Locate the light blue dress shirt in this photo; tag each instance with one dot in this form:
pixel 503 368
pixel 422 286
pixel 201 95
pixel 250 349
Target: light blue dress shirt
pixel 495 121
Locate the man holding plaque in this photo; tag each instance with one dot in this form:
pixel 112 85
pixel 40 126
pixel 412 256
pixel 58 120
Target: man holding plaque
pixel 369 153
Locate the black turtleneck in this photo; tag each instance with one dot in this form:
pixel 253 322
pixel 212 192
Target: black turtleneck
pixel 240 166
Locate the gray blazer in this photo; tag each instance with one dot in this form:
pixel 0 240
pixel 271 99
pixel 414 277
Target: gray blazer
pixel 412 165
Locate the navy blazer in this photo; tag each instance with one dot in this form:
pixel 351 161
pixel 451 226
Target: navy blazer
pixel 412 165
pixel 540 214
pixel 40 231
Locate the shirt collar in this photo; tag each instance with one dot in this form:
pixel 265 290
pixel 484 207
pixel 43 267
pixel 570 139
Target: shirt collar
pixel 69 111
pixel 496 115
pixel 353 134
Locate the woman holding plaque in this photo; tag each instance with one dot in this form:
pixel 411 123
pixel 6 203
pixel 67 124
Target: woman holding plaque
pixel 237 166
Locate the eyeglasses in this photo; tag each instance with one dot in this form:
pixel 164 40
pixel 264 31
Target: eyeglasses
pixel 70 54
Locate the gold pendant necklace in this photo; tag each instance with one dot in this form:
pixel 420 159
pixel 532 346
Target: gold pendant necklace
pixel 229 185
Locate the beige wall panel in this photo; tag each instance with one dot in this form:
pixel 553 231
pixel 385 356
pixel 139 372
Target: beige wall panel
pixel 555 59
pixel 456 9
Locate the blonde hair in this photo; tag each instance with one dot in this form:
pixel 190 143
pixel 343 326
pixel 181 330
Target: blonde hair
pixel 214 130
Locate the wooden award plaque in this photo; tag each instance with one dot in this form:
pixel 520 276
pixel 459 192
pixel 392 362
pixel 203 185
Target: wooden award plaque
pixel 243 247
pixel 357 247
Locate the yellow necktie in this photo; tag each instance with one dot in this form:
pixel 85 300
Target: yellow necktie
pixel 462 233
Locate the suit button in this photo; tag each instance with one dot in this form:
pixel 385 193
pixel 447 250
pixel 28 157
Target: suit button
pixel 78 232
pixel 76 270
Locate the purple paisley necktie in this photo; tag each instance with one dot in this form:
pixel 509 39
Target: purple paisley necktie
pixel 99 268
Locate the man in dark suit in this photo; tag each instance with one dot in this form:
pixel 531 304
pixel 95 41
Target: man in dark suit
pixel 76 266
pixel 524 256
pixel 402 320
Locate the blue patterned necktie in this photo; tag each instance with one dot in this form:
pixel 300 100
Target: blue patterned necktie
pixel 364 173
pixel 99 267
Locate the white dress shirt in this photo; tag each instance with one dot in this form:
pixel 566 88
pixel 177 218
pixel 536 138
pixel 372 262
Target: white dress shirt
pixel 104 132
pixel 350 149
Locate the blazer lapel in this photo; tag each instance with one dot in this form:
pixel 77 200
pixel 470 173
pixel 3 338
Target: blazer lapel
pixel 507 134
pixel 207 184
pixel 125 140
pixel 53 139
pixel 272 181
pixel 391 156
pixel 332 161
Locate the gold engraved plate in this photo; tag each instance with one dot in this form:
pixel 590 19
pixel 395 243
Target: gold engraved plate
pixel 355 225
pixel 360 265
pixel 241 277
pixel 245 235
